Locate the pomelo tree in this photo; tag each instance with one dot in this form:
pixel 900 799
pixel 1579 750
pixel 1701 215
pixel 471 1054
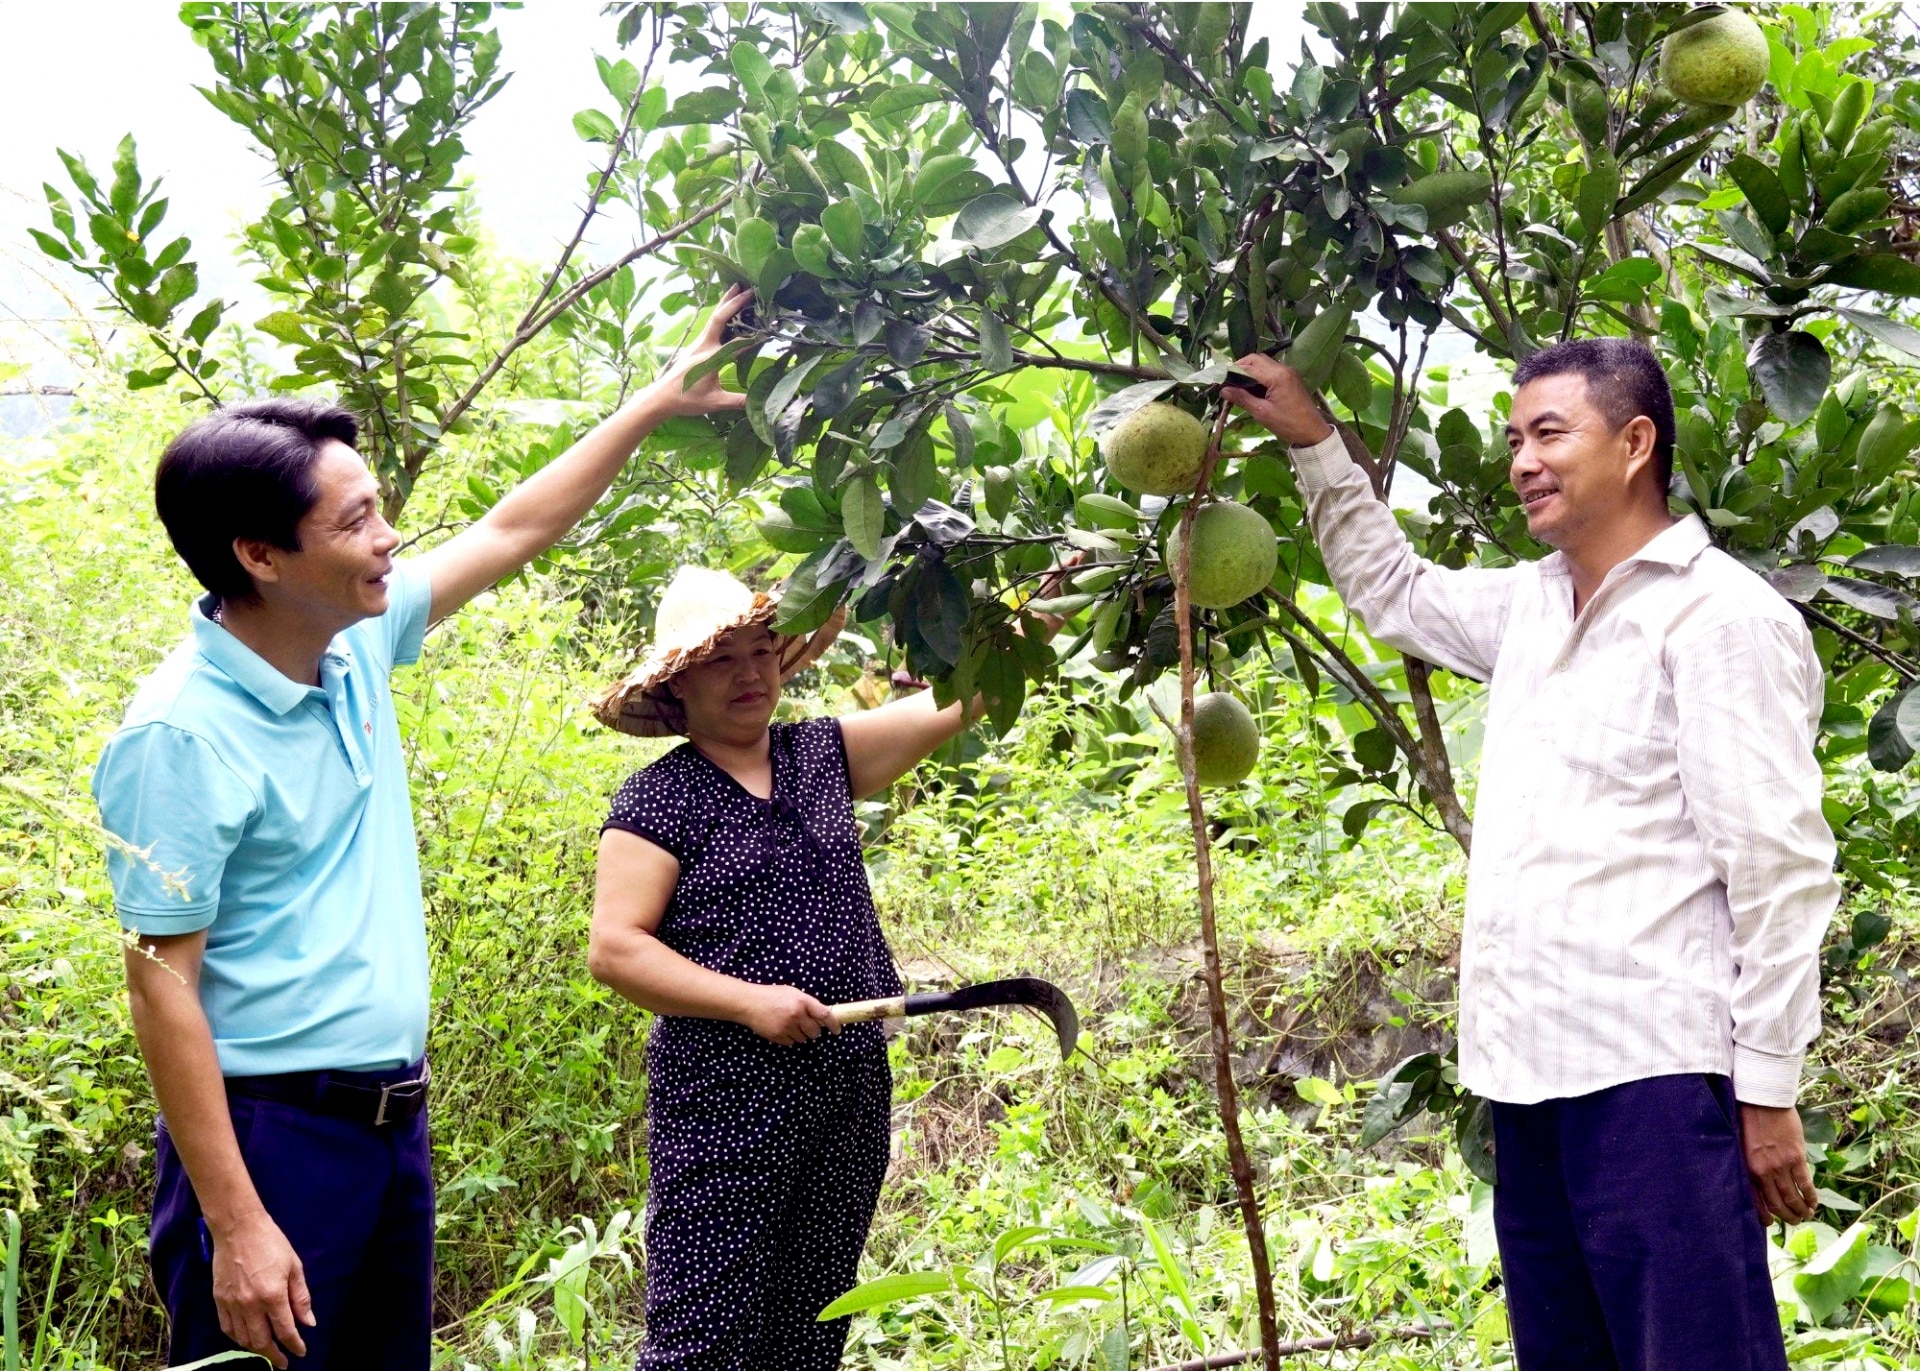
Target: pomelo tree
pixel 983 236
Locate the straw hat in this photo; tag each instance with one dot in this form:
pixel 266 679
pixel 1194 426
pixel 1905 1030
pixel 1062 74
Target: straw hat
pixel 699 608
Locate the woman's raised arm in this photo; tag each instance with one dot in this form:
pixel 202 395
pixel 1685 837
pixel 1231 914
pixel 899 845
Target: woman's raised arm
pixel 884 744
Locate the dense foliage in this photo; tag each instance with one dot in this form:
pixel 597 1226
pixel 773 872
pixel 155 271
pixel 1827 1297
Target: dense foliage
pixel 981 236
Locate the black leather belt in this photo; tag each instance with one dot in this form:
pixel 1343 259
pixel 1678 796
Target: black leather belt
pixel 376 1097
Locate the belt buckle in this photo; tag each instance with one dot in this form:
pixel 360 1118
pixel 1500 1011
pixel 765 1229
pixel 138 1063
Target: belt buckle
pixel 405 1090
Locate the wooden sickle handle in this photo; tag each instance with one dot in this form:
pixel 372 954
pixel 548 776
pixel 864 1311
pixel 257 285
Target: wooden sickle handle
pixel 866 1011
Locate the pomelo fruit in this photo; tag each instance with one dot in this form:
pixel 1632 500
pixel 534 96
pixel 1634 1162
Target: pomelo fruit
pixel 1157 450
pixel 1226 741
pixel 1718 61
pixel 1234 554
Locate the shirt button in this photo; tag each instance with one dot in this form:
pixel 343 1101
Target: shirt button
pixel 1560 666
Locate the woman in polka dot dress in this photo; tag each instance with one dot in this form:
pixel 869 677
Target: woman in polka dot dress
pixel 732 902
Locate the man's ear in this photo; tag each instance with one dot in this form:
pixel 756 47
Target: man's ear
pixel 258 559
pixel 1640 436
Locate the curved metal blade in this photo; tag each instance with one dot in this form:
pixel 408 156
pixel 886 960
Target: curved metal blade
pixel 1029 991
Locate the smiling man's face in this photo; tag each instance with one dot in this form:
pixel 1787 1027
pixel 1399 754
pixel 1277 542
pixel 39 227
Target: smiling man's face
pixel 1575 473
pixel 338 575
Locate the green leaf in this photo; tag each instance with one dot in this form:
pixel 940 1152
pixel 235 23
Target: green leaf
pixel 1792 370
pixel 1894 334
pixel 810 251
pixel 707 106
pixel 1473 1133
pixel 621 78
pixel 1834 1276
pixel 814 589
pixel 911 474
pixel 1121 403
pixel 863 512
pixel 1599 190
pixel 935 174
pixel 1626 280
pixel 50 245
pixel 595 127
pixel 994 220
pixel 1314 1090
pixel 1105 511
pixel 1868 598
pixel 1877 271
pixel 1892 559
pixel 845 228
pixel 996 350
pixel 753 69
pixel 877 1294
pixel 1761 185
pixel 1890 746
pixel 941 609
pixel 285 326
pixel 754 242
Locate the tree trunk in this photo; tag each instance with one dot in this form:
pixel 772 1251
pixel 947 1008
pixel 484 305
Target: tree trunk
pixel 1219 1035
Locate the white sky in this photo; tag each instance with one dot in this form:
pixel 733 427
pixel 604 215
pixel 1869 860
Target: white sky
pixel 81 74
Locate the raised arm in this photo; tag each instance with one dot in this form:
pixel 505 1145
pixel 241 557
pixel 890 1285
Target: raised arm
pixel 542 509
pixel 1453 617
pixel 633 884
pixel 884 744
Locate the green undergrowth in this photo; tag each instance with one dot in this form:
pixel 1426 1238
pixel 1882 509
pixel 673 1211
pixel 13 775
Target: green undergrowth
pixel 1038 1213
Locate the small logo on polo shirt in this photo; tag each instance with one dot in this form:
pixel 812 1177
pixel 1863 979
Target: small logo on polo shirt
pixel 368 726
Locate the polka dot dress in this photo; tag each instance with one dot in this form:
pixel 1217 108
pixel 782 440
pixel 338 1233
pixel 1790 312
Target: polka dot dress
pixel 765 1161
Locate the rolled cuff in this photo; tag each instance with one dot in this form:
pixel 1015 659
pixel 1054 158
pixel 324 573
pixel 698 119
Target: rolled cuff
pixel 166 923
pixel 1322 464
pixel 1764 1078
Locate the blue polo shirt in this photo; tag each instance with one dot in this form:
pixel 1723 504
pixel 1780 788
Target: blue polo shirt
pixel 275 815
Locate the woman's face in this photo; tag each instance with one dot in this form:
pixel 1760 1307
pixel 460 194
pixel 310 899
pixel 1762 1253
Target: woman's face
pixel 730 697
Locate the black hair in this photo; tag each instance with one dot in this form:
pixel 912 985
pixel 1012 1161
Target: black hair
pixel 1624 381
pixel 244 471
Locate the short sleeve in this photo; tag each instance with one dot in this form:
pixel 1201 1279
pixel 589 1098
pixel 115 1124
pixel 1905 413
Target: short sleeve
pixel 400 631
pixel 653 805
pixel 824 745
pixel 166 793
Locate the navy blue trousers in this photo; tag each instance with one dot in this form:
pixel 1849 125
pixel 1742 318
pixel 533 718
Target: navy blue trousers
pixel 355 1201
pixel 1628 1237
pixel 765 1168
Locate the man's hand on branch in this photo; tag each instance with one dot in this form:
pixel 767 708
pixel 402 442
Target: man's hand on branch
pixel 1288 410
pixel 706 395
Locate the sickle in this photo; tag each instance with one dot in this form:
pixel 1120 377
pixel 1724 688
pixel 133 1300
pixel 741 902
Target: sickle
pixel 1036 994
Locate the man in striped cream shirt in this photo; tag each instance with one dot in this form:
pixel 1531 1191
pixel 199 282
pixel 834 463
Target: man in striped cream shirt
pixel 1651 874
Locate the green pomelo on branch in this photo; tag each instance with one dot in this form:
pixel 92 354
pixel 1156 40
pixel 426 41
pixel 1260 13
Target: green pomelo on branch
pixel 1226 740
pixel 1718 61
pixel 1157 450
pixel 1446 196
pixel 1234 554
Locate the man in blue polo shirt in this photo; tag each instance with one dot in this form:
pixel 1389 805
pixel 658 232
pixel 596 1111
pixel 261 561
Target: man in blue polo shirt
pixel 279 978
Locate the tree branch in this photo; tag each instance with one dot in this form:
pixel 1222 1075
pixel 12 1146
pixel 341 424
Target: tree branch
pixel 1058 363
pixel 1219 1032
pixel 534 324
pixel 1905 669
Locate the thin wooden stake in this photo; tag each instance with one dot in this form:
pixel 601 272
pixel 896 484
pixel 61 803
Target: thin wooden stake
pixel 1225 1089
